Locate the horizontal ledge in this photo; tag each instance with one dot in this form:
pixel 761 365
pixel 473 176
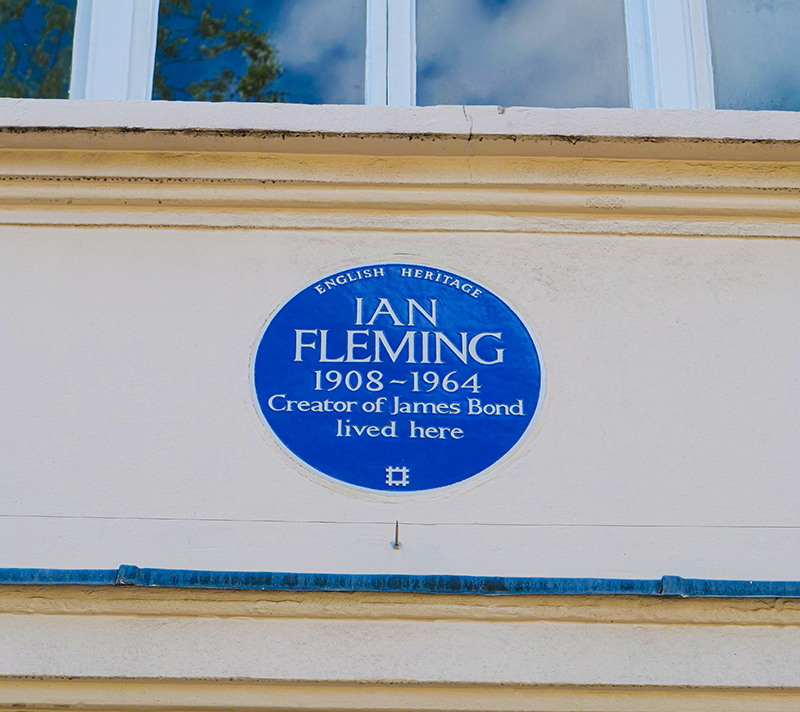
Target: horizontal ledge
pixel 126 693
pixel 474 585
pixel 421 200
pixel 436 130
pixel 391 223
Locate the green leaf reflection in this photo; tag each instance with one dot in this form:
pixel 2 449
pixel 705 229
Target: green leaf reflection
pixel 187 35
pixel 37 56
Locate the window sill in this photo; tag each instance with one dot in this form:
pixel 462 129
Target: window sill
pixel 439 130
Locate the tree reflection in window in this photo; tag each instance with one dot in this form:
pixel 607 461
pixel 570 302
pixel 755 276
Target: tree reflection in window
pixel 234 56
pixel 300 51
pixel 36 48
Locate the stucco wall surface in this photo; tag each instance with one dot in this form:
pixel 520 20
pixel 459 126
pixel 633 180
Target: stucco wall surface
pixel 131 648
pixel 668 440
pixel 400 651
pixel 662 288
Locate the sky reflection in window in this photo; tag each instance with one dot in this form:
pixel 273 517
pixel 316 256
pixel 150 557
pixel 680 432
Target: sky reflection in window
pixel 312 52
pixel 36 48
pixel 557 53
pixel 756 54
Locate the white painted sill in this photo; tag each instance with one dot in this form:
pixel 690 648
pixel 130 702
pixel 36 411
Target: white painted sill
pixel 437 130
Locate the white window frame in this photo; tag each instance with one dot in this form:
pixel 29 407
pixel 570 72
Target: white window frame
pixel 669 52
pixel 114 49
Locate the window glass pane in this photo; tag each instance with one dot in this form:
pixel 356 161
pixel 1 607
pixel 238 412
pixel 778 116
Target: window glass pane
pixel 756 53
pixel 300 51
pixel 558 53
pixel 36 48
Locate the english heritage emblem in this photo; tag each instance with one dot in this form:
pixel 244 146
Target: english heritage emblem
pixel 397 377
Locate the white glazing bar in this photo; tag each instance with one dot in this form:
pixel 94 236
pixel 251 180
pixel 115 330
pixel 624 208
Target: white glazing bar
pixel 641 77
pixel 701 45
pixel 669 54
pixel 80 50
pixel 114 49
pixel 402 53
pixel 375 77
pixel 143 49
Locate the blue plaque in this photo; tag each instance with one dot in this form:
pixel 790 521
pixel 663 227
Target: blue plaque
pixel 397 377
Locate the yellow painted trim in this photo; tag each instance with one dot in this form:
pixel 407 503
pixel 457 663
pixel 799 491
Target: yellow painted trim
pixel 206 603
pixel 136 694
pixel 515 194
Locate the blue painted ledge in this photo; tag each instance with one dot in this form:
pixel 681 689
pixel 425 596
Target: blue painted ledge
pixel 479 585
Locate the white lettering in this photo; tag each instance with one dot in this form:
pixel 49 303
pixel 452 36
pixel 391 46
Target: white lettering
pixel 462 354
pixel 271 400
pixel 473 348
pixel 323 348
pixel 414 304
pixel 352 345
pixel 299 345
pixel 394 353
pixel 385 309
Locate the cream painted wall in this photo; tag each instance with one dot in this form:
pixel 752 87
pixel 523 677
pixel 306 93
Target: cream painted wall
pixel 135 283
pixel 131 648
pixel 667 444
pixel 454 652
pixel 142 248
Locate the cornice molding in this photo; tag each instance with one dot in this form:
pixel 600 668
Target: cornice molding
pixel 480 194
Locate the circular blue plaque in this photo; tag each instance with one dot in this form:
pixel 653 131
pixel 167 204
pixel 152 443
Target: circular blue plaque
pixel 397 377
